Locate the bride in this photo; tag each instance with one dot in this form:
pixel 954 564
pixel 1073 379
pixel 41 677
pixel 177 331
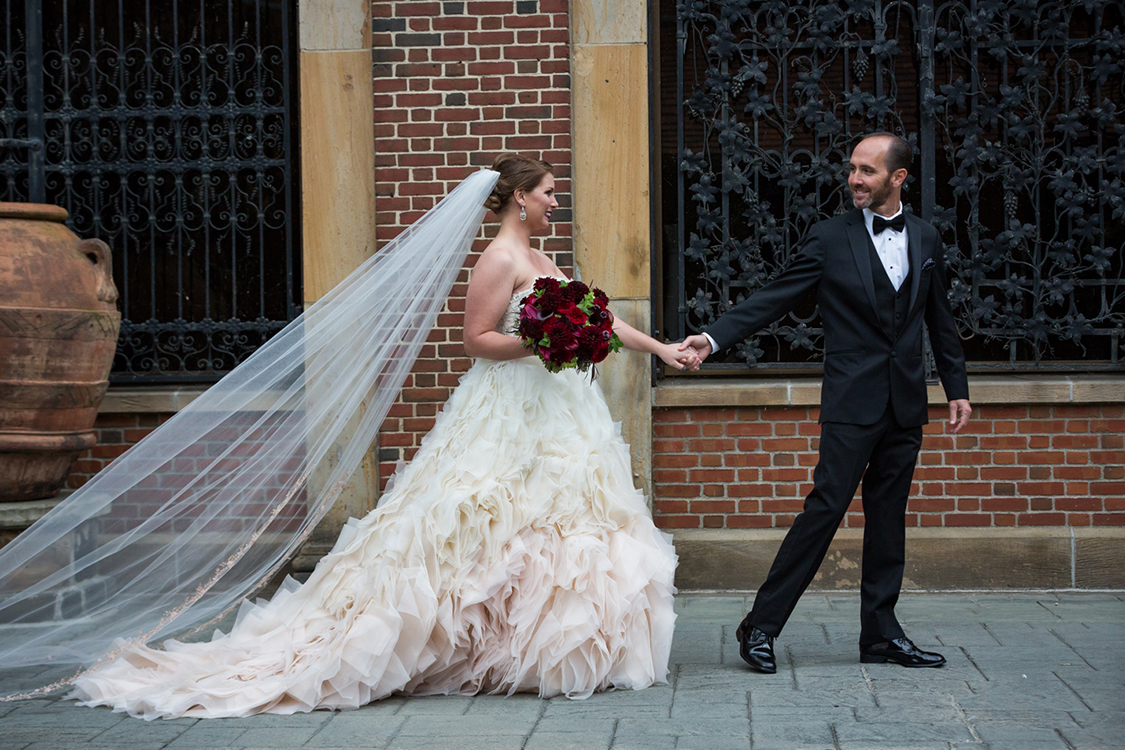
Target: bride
pixel 512 554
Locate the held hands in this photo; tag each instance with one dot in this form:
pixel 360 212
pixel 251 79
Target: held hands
pixel 959 411
pixel 675 356
pixel 699 346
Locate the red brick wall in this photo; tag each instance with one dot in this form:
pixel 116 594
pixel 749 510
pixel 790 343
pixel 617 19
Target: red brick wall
pixel 119 432
pixel 455 84
pixel 116 434
pixel 1013 466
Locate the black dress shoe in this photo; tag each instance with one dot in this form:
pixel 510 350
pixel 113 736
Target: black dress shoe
pixel 755 648
pixel 900 651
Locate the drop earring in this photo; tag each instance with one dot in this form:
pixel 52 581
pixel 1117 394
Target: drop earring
pixel 523 213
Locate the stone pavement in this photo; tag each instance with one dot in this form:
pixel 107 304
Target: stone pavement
pixel 1027 671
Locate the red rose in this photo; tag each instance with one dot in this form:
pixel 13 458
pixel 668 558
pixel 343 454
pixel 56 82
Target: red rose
pixel 574 315
pixel 600 297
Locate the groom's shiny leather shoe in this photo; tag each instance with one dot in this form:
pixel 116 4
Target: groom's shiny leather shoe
pixel 900 651
pixel 755 648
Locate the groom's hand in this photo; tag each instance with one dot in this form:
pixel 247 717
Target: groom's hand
pixel 700 344
pixel 959 411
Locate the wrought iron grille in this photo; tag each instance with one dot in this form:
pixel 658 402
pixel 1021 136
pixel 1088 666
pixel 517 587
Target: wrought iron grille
pixel 1015 109
pixel 167 129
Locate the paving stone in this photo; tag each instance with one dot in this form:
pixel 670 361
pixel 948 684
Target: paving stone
pixel 465 726
pixel 710 609
pixel 790 729
pixel 69 716
pixel 831 695
pixel 665 727
pixel 1027 671
pixel 56 744
pixel 129 731
pixel 18 737
pixel 904 733
pixel 565 725
pixel 500 710
pixel 712 742
pixel 310 720
pixel 362 728
pixel 593 708
pixel 697 644
pixel 1087 739
pixel 422 742
pixel 436 705
pixel 631 739
pixel 275 737
pixel 657 697
pixel 207 734
pixel 1021 743
pixel 569 740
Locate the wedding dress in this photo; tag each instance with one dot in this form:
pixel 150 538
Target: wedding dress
pixel 512 554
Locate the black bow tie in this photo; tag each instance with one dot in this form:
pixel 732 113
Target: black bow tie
pixel 898 223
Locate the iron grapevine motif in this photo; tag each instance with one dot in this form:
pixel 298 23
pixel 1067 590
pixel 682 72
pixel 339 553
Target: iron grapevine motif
pixel 1016 112
pixel 165 129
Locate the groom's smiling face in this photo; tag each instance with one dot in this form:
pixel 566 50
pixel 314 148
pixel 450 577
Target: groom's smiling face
pixel 871 183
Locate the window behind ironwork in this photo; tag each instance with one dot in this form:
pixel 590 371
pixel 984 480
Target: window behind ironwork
pixel 1015 110
pixel 167 129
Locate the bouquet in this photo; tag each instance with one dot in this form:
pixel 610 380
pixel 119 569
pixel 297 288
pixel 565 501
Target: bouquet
pixel 567 325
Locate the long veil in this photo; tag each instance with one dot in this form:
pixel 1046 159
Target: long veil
pixel 206 509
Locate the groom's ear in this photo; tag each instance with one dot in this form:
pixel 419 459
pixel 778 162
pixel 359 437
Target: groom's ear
pixel 898 177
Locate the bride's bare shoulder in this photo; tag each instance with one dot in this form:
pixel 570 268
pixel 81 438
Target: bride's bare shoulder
pixel 498 259
pixel 498 268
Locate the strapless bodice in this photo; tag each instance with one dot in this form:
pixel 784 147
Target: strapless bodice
pixel 509 321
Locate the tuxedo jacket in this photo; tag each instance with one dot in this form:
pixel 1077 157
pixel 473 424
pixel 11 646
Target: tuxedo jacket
pixel 864 363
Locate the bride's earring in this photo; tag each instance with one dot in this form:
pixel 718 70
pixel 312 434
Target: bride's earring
pixel 523 213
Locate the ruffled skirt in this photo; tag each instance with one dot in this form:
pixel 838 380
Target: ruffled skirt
pixel 513 554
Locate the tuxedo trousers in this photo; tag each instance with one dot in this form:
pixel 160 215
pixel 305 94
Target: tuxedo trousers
pixel 882 455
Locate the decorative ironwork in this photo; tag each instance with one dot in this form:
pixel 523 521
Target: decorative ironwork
pixel 167 130
pixel 1016 112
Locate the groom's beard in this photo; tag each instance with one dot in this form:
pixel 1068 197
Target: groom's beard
pixel 877 196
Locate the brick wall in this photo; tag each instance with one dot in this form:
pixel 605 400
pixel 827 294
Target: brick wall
pixel 119 432
pixel 455 84
pixel 1012 466
pixel 116 434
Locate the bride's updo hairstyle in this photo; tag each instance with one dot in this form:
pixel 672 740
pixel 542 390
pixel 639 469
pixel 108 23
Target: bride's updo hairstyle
pixel 517 172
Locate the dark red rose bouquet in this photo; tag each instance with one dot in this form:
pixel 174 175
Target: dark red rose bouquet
pixel 567 324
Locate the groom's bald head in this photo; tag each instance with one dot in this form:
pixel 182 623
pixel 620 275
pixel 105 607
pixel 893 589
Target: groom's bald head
pixel 899 152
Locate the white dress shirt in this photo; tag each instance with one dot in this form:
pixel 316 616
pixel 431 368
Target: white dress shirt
pixel 890 246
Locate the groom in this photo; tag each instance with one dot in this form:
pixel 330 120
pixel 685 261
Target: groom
pixel 877 274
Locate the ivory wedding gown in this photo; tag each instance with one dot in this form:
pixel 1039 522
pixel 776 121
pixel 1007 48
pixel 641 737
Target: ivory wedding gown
pixel 513 554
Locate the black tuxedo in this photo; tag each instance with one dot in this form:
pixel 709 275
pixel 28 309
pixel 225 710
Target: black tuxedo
pixel 873 402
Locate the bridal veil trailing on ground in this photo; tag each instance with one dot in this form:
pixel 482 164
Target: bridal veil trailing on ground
pixel 209 507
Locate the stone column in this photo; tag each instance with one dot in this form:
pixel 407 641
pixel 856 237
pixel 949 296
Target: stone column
pixel 337 192
pixel 611 196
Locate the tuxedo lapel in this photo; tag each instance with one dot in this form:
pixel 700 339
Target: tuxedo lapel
pixel 914 248
pixel 858 239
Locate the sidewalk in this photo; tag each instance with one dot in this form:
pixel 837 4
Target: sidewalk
pixel 1026 671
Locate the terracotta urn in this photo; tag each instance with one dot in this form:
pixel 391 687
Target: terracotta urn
pixel 58 333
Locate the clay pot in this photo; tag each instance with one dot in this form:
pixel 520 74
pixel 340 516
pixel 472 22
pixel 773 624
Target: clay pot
pixel 58 333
